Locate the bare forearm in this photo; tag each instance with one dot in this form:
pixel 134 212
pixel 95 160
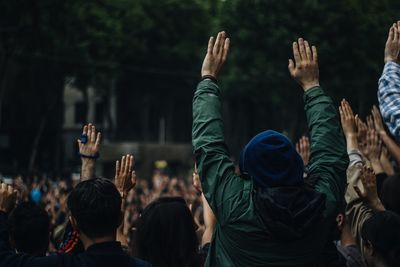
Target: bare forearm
pixel 88 169
pixel 351 142
pixel 209 221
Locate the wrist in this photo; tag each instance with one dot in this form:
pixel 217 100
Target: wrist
pixel 88 161
pixel 209 76
pixel 308 86
pixel 390 59
pixel 3 210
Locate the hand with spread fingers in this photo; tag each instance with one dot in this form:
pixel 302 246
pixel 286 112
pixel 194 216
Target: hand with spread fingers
pixel 392 47
pixel 8 197
pixel 372 150
pixel 125 176
pixel 217 53
pixel 89 143
pixel 303 148
pixel 304 69
pixel 370 193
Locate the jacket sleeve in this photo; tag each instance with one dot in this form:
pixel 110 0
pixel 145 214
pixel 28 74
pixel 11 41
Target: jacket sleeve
pixel 329 158
pixel 389 97
pixel 222 188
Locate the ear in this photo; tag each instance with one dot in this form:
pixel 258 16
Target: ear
pixel 72 220
pixel 340 220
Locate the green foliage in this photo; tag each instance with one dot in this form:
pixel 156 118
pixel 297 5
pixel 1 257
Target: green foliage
pixel 350 37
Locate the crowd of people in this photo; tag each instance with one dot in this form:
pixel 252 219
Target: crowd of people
pixel 332 199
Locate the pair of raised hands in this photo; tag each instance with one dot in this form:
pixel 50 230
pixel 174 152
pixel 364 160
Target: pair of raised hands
pixel 89 149
pixel 304 67
pixel 367 134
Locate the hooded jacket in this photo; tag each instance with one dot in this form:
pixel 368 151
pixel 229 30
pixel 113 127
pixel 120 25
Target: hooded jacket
pixel 273 226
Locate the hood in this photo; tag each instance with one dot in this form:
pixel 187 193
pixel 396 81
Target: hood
pixel 289 212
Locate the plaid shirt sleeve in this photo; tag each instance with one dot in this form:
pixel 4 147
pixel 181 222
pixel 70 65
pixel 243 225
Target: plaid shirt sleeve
pixel 389 97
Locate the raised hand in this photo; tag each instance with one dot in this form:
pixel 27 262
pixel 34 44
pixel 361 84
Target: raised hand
pixel 303 148
pixel 125 176
pixel 392 47
pixel 8 197
pixel 89 147
pixel 370 194
pixel 217 53
pixel 392 146
pixel 378 122
pixel 89 143
pixel 362 131
pixel 349 126
pixel 304 69
pixel 347 119
pixel 373 147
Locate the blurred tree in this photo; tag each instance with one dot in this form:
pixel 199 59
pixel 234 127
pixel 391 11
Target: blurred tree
pixel 260 94
pixel 149 52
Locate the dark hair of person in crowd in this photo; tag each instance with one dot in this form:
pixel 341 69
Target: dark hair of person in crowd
pixel 381 236
pixel 29 229
pixel 95 204
pixel 390 193
pixel 166 234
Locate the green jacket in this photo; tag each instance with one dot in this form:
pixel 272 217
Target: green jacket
pixel 240 236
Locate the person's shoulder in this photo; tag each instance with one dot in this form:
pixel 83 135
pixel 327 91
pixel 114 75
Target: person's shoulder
pixel 139 263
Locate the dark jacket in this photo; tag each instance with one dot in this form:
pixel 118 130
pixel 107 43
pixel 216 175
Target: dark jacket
pixel 108 254
pixel 281 226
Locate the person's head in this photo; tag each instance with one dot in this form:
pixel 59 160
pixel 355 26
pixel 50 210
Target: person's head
pixel 95 207
pixel 166 235
pixel 271 160
pixel 29 229
pixel 381 236
pixel 390 193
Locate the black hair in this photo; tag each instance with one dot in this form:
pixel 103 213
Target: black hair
pixel 382 232
pixel 390 193
pixel 166 234
pixel 96 206
pixel 29 229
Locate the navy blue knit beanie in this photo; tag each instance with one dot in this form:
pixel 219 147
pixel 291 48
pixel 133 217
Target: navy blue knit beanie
pixel 271 160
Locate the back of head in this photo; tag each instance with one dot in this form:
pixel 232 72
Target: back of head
pixel 271 160
pixel 29 228
pixel 381 233
pixel 96 206
pixel 390 193
pixel 166 234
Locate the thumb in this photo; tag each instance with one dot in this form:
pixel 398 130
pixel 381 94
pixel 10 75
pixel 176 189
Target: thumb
pixel 291 66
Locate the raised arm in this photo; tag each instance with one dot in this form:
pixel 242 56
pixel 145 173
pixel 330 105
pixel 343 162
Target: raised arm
pixel 389 83
pixel 329 160
pixel 217 173
pixel 125 180
pixel 89 147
